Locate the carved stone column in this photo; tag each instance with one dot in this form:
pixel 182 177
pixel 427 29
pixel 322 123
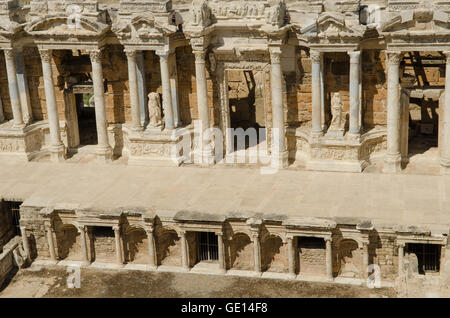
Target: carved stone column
pixel 104 151
pixel 119 256
pixel 392 161
pixel 206 152
pixel 401 253
pixel 221 248
pixel 22 85
pixel 25 242
pixel 290 246
pixel 142 87
pixel 84 248
pixel 151 249
pixel 365 248
pixel 202 92
pixel 13 88
pixel 51 243
pixel 173 73
pixel 134 93
pixel 166 90
pixel 57 149
pixel 279 152
pixel 316 93
pixel 329 257
pixel 256 252
pixel 445 151
pixel 355 108
pixel 184 251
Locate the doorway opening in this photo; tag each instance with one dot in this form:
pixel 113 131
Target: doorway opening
pixel 86 119
pixel 428 256
pixel 424 76
pixel 13 208
pixel 247 105
pixel 208 248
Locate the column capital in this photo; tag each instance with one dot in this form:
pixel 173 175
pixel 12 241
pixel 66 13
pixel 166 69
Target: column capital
pixel 183 233
pixel 328 239
pixel 394 57
pixel 354 57
pixel 9 54
pixel 116 228
pixel 163 55
pixel 149 232
pixel 315 56
pixel 81 228
pixel 46 55
pixel 131 54
pixel 447 54
pixel 401 244
pixel 275 55
pixel 96 55
pixel 200 56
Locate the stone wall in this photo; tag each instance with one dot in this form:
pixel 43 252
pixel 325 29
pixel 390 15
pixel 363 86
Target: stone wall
pixel 104 244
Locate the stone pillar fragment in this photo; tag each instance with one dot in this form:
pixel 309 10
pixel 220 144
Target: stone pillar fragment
pixel 104 151
pixel 329 258
pixel 166 90
pixel 51 244
pixel 25 242
pixel 134 93
pixel 291 259
pixel 392 161
pixel 119 256
pixel 221 249
pixel 279 152
pixel 401 253
pixel 84 248
pixel 13 88
pixel 257 253
pixel 184 251
pixel 151 249
pixel 316 93
pixel 445 144
pixel 354 91
pixel 57 149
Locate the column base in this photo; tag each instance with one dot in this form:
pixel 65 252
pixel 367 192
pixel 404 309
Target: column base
pixel 57 153
pixel 280 160
pixel 392 164
pixel 104 154
pixel 316 133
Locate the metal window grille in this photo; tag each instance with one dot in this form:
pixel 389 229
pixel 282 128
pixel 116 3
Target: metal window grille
pixel 14 209
pixel 428 256
pixel 208 249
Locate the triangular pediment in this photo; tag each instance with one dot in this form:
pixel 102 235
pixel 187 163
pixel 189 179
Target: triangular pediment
pixel 143 27
pixel 333 25
pixel 61 25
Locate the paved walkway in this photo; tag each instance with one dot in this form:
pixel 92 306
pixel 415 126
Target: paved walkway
pixel 402 199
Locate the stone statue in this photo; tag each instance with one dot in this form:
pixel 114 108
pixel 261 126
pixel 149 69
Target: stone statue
pixel 337 120
pixel 154 110
pixel 201 13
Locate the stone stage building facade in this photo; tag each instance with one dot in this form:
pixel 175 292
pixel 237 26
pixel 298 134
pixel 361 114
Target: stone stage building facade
pixel 349 84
